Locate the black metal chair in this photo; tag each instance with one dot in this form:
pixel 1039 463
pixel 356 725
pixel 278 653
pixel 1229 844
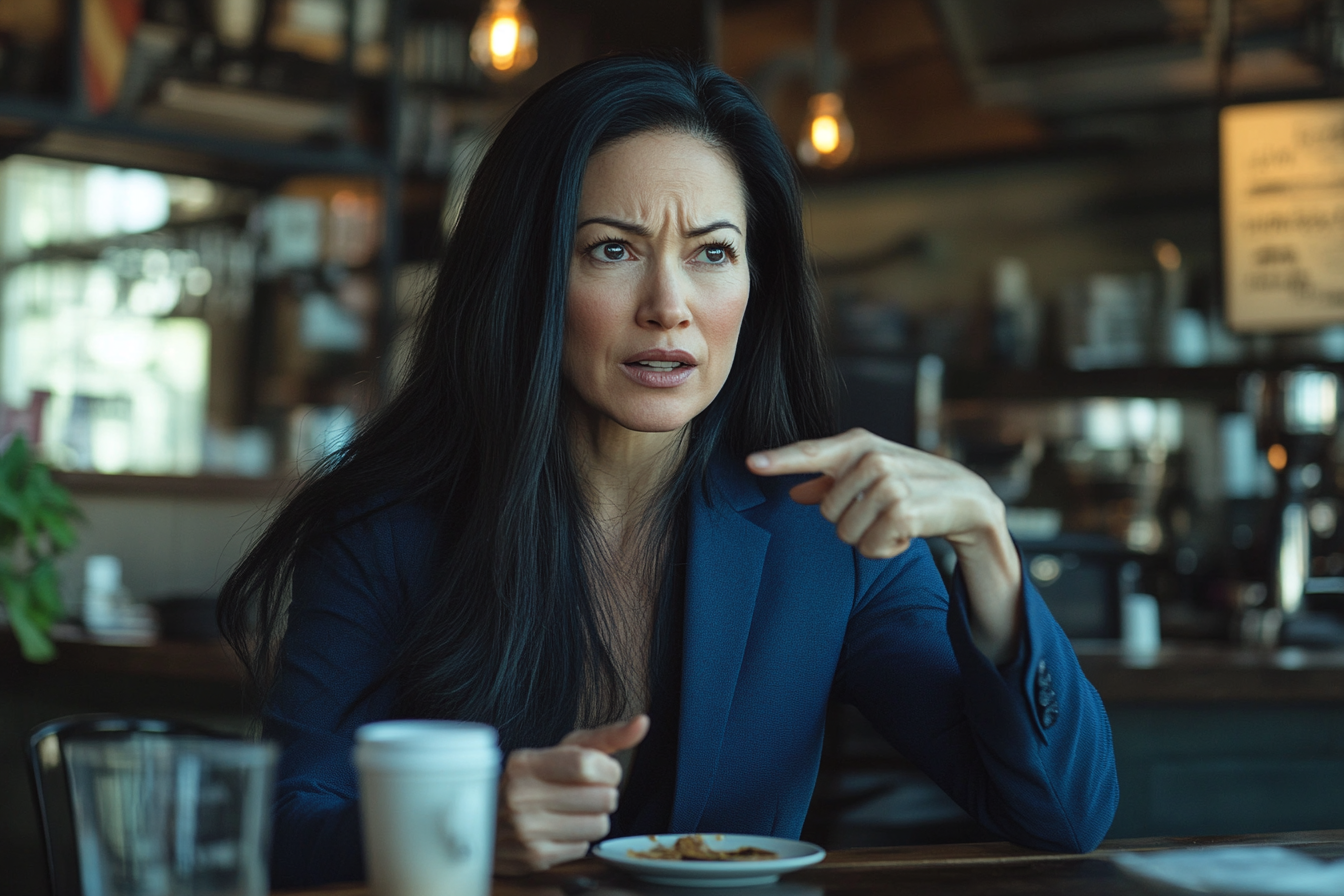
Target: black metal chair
pixel 51 785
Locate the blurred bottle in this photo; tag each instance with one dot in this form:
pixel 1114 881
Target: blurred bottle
pixel 1182 334
pixel 1106 322
pixel 110 614
pixel 1017 314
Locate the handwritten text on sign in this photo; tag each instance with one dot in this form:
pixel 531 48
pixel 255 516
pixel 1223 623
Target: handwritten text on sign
pixel 1283 214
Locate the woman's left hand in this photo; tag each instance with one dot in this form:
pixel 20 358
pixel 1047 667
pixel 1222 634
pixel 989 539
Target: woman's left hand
pixel 880 495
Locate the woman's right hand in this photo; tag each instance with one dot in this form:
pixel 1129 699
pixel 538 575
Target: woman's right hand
pixel 555 802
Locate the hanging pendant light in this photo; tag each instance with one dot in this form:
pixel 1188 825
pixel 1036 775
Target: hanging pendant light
pixel 827 138
pixel 503 43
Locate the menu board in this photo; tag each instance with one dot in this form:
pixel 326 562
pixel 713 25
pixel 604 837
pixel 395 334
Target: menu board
pixel 1283 214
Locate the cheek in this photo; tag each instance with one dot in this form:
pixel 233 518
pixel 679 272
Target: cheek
pixel 587 317
pixel 721 321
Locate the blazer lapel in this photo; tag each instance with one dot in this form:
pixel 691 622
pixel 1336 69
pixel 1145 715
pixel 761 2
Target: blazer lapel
pixel 725 558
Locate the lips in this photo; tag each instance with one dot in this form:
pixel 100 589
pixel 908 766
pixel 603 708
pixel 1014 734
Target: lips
pixel 660 368
pixel 663 354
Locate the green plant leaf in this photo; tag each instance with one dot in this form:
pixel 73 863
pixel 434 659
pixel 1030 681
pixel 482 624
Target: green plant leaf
pixel 33 605
pixel 53 496
pixel 14 590
pixel 61 532
pixel 11 505
pixel 45 594
pixel 31 534
pixel 14 463
pixel 34 644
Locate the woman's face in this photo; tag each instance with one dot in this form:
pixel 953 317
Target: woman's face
pixel 658 281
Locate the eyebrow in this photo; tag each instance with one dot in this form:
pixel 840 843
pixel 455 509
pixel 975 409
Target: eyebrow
pixel 640 230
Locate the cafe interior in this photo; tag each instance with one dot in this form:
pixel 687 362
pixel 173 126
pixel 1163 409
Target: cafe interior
pixel 1093 250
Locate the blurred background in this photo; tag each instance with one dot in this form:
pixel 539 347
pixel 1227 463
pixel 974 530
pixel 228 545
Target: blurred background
pixel 1093 249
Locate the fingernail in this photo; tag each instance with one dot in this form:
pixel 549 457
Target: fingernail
pixel 759 461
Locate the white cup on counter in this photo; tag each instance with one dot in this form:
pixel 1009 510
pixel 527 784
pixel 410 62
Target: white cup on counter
pixel 427 793
pixel 1140 628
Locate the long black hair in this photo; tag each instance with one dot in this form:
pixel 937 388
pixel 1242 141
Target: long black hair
pixel 513 634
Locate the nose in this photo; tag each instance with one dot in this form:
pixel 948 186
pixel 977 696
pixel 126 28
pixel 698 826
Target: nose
pixel 663 302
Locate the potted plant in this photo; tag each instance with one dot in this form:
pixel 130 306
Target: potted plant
pixel 36 517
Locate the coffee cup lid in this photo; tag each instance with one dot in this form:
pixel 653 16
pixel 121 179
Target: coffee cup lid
pixel 414 735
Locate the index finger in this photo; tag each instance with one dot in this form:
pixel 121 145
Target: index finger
pixel 569 765
pixel 831 456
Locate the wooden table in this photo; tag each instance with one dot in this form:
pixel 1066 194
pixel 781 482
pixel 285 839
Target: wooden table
pixel 974 869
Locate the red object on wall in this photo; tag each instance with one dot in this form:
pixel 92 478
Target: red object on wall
pixel 108 27
pixel 27 421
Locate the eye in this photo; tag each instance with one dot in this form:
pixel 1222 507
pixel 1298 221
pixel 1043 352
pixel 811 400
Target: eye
pixel 717 253
pixel 611 251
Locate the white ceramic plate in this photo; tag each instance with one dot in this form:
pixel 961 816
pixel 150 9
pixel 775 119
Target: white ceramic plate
pixel 793 854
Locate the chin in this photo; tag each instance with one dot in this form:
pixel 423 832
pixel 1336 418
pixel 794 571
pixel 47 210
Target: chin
pixel 656 419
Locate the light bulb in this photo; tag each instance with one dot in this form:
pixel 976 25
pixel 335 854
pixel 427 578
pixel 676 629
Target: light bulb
pixel 1168 255
pixel 825 134
pixel 504 43
pixel 828 137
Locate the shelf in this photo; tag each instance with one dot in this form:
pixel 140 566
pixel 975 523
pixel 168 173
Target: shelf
pixel 1219 384
pixel 114 140
pixel 202 661
pixel 215 487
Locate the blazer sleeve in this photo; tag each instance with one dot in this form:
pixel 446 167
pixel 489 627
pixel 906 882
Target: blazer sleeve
pixel 343 626
pixel 1024 748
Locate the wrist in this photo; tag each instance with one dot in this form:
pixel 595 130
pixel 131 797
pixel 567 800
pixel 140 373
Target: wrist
pixel 986 540
pixel 991 569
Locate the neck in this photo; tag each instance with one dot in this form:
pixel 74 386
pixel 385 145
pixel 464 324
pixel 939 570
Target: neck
pixel 622 470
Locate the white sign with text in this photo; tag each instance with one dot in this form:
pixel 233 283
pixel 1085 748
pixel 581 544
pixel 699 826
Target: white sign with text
pixel 1283 214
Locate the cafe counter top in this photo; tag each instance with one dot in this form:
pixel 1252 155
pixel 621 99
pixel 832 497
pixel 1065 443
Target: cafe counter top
pixel 1212 672
pixel 1180 672
pixel 974 869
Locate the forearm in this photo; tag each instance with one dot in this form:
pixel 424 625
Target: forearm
pixel 992 570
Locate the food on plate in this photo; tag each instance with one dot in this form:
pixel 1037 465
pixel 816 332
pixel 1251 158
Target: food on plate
pixel 693 848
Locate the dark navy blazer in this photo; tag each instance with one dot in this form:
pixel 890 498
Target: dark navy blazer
pixel 780 617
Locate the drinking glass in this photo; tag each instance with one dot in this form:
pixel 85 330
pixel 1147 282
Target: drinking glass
pixel 168 815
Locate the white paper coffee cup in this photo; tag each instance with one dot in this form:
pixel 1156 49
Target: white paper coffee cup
pixel 1140 627
pixel 427 802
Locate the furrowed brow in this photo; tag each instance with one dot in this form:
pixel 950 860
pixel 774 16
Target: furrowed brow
pixel 710 228
pixel 628 227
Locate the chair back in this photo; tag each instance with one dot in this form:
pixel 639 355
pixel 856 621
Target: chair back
pixel 51 783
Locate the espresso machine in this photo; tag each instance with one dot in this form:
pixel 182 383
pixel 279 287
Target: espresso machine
pixel 1296 414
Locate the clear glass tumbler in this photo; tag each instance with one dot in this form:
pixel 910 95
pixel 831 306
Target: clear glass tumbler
pixel 167 815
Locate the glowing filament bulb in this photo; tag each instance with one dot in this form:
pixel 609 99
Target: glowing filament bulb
pixel 828 137
pixel 503 43
pixel 825 134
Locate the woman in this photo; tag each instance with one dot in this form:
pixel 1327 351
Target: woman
pixel 586 518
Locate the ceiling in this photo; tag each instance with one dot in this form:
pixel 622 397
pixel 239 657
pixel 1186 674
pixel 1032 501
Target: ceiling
pixel 934 80
pixel 938 79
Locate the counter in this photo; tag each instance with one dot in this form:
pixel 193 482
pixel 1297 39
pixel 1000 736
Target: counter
pixel 1203 672
pixel 1209 738
pixel 1216 739
pixel 1211 672
pixel 973 869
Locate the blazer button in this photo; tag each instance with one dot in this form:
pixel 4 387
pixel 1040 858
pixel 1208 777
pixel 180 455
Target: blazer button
pixel 1043 678
pixel 1049 715
pixel 1045 696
